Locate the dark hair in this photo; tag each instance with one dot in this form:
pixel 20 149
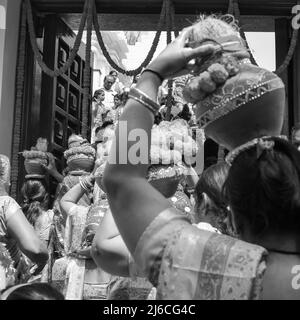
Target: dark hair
pixel 96 93
pixel 106 124
pixel 35 199
pixel 295 128
pixel 266 189
pixel 185 114
pixel 113 71
pixel 97 129
pixel 118 95
pixel 158 118
pixel 35 291
pixel 124 97
pixel 211 183
pixel 136 77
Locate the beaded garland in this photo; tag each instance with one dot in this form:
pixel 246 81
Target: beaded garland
pixel 234 101
pixel 235 152
pixel 157 172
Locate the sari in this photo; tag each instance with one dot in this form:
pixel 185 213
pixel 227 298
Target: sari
pixel 215 267
pixel 15 267
pixel 75 275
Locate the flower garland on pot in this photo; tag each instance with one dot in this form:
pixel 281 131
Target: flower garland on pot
pixel 208 79
pixel 163 14
pixel 36 159
pixel 74 51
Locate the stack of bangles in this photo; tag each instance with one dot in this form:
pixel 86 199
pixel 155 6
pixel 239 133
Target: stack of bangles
pixel 143 98
pixel 85 183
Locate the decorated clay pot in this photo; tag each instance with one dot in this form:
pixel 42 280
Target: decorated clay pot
pixel 249 105
pixel 165 179
pixel 85 164
pixel 34 167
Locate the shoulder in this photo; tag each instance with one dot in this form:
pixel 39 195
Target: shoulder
pixel 210 256
pixel 8 206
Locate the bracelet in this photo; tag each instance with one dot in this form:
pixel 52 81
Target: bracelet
pixel 145 100
pixel 156 73
pixel 85 184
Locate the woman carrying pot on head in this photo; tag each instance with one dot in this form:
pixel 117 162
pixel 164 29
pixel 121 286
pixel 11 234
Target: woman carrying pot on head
pixel 262 187
pixel 76 274
pixel 17 237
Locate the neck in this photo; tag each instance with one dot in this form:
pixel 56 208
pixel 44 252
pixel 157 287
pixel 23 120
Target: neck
pixel 3 191
pixel 280 241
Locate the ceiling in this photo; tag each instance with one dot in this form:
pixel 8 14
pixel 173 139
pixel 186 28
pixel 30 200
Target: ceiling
pixel 193 7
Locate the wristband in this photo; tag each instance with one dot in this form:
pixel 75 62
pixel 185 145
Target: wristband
pixel 144 99
pixel 156 73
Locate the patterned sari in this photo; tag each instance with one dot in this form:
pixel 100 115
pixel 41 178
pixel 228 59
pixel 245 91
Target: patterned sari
pixel 185 262
pixel 76 276
pixel 14 266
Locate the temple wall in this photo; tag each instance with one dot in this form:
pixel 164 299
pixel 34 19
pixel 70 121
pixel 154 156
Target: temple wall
pixel 9 34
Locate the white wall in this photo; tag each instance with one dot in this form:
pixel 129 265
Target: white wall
pixel 2 37
pixel 8 61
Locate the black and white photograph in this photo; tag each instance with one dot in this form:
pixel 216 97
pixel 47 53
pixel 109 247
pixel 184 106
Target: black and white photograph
pixel 149 151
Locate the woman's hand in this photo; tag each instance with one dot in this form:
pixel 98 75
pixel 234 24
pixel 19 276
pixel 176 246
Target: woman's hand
pixel 51 168
pixel 173 61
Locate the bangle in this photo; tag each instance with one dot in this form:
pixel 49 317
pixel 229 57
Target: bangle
pixel 85 184
pixel 145 100
pixel 156 73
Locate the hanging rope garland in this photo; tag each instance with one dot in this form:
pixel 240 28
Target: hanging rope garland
pixel 169 39
pixel 87 69
pixel 230 8
pixel 74 51
pixel 237 15
pixel 172 13
pixel 290 53
pixel 150 53
pixel 292 47
pixel 20 77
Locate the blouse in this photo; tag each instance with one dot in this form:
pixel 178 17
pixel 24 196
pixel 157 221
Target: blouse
pixel 214 266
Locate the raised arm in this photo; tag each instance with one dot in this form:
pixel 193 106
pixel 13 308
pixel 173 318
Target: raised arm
pixel 51 168
pixel 133 201
pixel 74 194
pixel 109 250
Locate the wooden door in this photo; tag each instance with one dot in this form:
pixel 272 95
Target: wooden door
pixel 61 97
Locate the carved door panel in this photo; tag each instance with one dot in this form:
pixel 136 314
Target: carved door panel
pixel 61 102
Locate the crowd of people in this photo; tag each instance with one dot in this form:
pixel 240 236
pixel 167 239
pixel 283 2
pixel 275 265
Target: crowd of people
pixel 109 102
pixel 163 228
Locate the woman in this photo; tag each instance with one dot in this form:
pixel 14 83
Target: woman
pixel 211 211
pixel 17 236
pixel 76 274
pixel 48 223
pixel 215 266
pixel 35 207
pixel 98 111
